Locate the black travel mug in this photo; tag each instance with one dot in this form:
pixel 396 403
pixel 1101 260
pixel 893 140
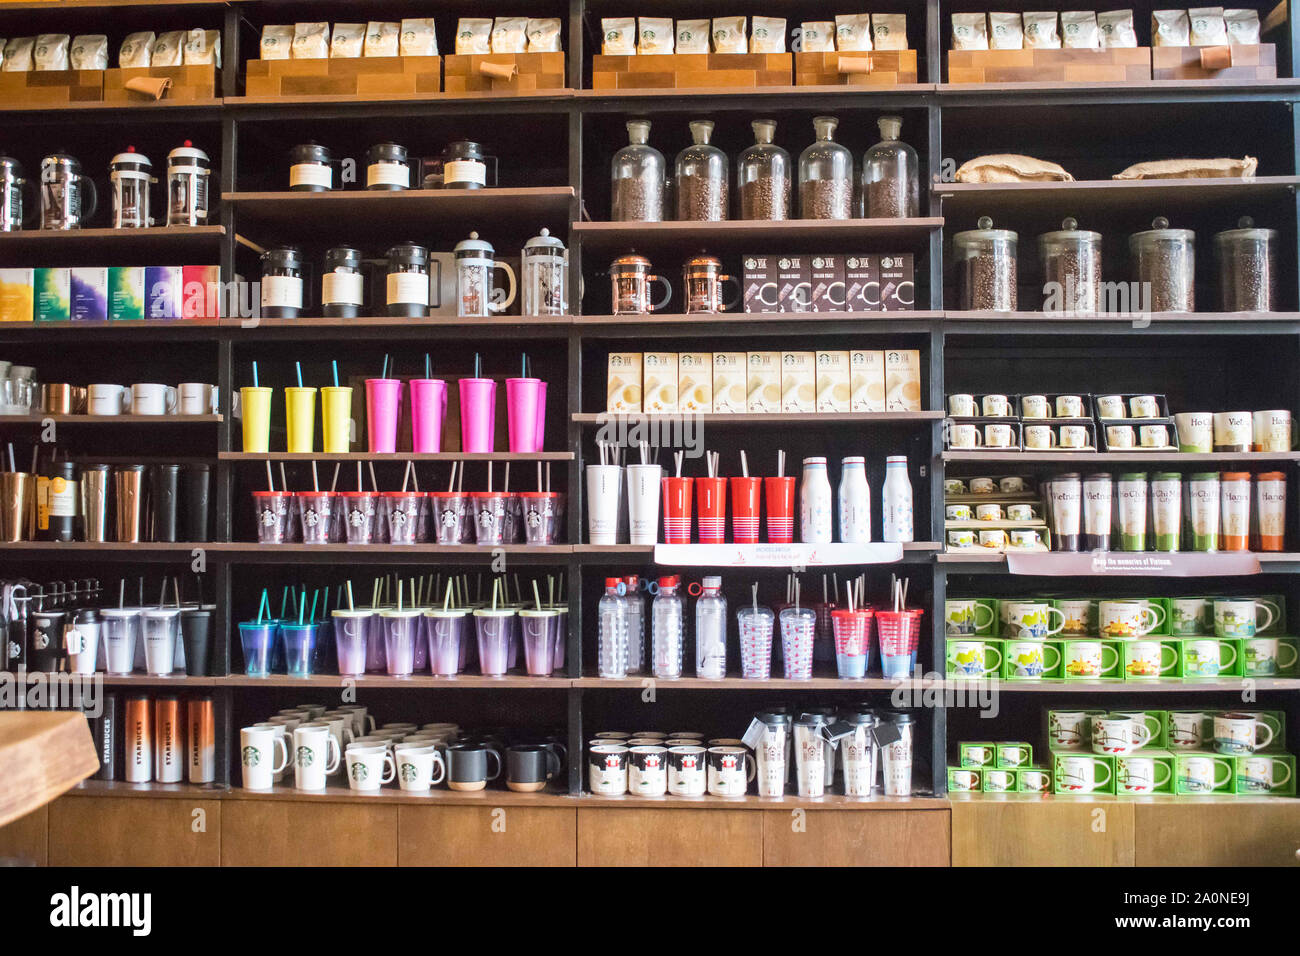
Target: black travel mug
pixel 105 730
pixel 195 483
pixel 196 634
pixel 163 487
pixel 45 650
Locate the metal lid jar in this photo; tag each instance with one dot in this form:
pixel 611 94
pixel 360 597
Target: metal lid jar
pixel 637 177
pixel 701 279
pixel 387 167
pixel 188 172
pixel 309 168
pixel 986 268
pixel 1164 262
pixel 1246 261
pixel 630 279
pixel 545 266
pixel 1071 260
pixel 342 284
pixel 464 166
pixel 282 283
pixel 130 174
pixel 407 285
pixel 763 173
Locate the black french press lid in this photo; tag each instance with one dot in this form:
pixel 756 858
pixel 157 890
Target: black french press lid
pixel 10 167
pixel 309 152
pixel 342 257
pixel 772 717
pixel 386 153
pixel 285 257
pixel 408 254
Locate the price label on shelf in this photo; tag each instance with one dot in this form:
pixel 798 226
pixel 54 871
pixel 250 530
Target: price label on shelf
pixel 1134 563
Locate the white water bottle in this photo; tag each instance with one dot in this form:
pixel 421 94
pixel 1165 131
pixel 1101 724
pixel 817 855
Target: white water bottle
pixel 815 503
pixel 854 501
pixel 896 500
pixel 668 630
pixel 711 631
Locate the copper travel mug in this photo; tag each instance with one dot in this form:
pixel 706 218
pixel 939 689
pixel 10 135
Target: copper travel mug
pixel 94 502
pixel 128 489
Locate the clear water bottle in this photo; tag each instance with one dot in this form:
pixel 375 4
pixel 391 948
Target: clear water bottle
pixel 896 500
pixel 855 501
pixel 815 503
pixel 711 631
pixel 635 625
pixel 668 625
pixel 611 643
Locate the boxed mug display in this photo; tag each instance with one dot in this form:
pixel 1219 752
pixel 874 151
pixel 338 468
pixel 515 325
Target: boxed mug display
pixel 1142 773
pixel 1076 772
pixel 1054 406
pixel 965 780
pixel 1034 780
pixel 1197 773
pixel 998 780
pixel 1264 774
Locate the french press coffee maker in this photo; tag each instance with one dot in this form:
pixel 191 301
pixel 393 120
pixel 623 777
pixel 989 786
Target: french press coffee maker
pixel 475 261
pixel 130 175
pixel 15 210
pixel 188 170
pixel 630 281
pixel 68 198
pixel 545 276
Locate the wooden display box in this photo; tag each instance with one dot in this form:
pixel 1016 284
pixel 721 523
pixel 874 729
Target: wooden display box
pixel 887 68
pixel 52 86
pixel 1049 66
pixel 344 76
pixel 691 71
pixel 533 71
pixel 188 83
pixel 1240 64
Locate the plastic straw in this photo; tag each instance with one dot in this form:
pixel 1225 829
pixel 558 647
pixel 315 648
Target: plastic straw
pixel 298 368
pixel 270 484
pixel 537 594
pixel 335 480
pixel 314 596
pixel 383 373
pixel 351 606
pixel 428 366
pixel 315 478
pixel 478 366
pixel 302 608
pixel 744 465
pixel 254 374
pixel 335 363
pixel 284 482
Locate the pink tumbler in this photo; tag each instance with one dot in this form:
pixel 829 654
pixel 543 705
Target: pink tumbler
pixel 525 405
pixel 383 399
pixel 478 405
pixel 428 408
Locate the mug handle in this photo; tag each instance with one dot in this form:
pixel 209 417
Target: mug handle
pixel 989 622
pixel 278 740
pixel 989 649
pixel 510 282
pixel 1260 725
pixel 1114 659
pixel 332 749
pixel 1285 780
pixel 751 768
pixel 1173 663
pixel 170 402
pixel 1271 610
pixel 1050 612
pixel 552 760
pixel 1055 650
pixel 1158 783
pixel 1155 611
pixel 1232 655
pixel 389 774
pixel 1226 765
pixel 440 769
pixel 86 214
pixel 1104 780
pixel 1144 735
pixel 1151 734
pixel 1295 654
pixel 497 758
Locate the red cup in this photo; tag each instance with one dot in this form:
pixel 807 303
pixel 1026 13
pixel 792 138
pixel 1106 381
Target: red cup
pixel 711 505
pixel 677 510
pixel 746 494
pixel 780 509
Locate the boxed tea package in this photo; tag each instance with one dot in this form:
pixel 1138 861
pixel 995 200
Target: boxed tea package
pixel 659 382
pixel 792 283
pixel 89 294
pixel 695 381
pixel 16 295
pixel 866 381
pixel 763 382
pixel 200 292
pixel 897 288
pixel 623 382
pixel 798 382
pixel 833 382
pixel 52 295
pixel 162 292
pixel 902 380
pixel 730 379
pixel 126 293
pixel 826 283
pixel 759 284
pixel 861 283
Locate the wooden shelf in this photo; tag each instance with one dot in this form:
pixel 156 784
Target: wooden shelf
pixel 1097 196
pixel 913 551
pixel 1064 457
pixel 495 794
pixel 110 419
pixel 750 801
pixel 108 110
pixel 414 682
pixel 175 239
pixel 526 456
pixel 748 323
pixel 1200 323
pixel 175 679
pixel 165 791
pixel 733 233
pixel 1227 685
pixel 774 683
pixel 467 102
pixel 774 418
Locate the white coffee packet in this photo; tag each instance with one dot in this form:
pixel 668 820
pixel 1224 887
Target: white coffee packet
pixel 51 51
pixel 544 35
pixel 853 33
pixel 347 41
pixel 1242 26
pixel 473 36
pixel 889 31
pixel 693 36
pixel 311 41
pixel 203 47
pixel 510 35
pixel 419 37
pixel 1116 31
pixel 618 36
pixel 1040 30
pixel 1004 32
pixel 277 41
pixel 767 35
pixel 89 52
pixel 1170 28
pixel 381 38
pixel 18 55
pixel 817 36
pixel 730 35
pixel 654 36
pixel 1079 30
pixel 169 50
pixel 970 31
pixel 1207 26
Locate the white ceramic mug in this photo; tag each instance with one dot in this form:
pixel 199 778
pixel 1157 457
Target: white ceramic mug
pixel 964 436
pixel 1271 431
pixel 997 435
pixel 1039 437
pixel 315 756
pixel 1233 431
pixel 1073 436
pixel 1154 436
pixel 607 769
pixel 369 768
pixel 1201 774
pixel 195 398
pixel 1119 436
pixel 107 399
pixel 148 398
pixel 1078 774
pixel 1238 734
pixel 257 756
pixel 1111 406
pixel 730 770
pixel 1144 406
pixel 961 406
pixel 686 771
pixel 1140 774
pixel 1261 774
pixel 419 768
pixel 1118 734
pixel 1069 406
pixel 1186 729
pixel 1195 431
pixel 996 406
pixel 1035 406
pixel 1128 618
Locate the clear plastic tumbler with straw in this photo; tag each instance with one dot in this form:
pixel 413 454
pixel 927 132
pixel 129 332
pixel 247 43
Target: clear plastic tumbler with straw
pixel 401 628
pixel 852 641
pixel 351 631
pixel 445 630
pixel 161 628
pixel 538 625
pixel 755 625
pixel 446 508
pixel 121 632
pixel 271 512
pixel 403 515
pixel 798 628
pixel 257 638
pixel 357 510
pixel 493 627
pixel 299 647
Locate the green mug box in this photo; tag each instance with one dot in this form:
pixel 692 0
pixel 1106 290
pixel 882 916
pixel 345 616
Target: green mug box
pixel 965 780
pixel 997 780
pixel 1007 751
pixel 978 754
pixel 1164 772
pixel 1222 776
pixel 1021 668
pixel 1276 628
pixel 1286 665
pixel 992 628
pixel 1033 780
pixel 1085 627
pixel 1061 780
pixel 1246 781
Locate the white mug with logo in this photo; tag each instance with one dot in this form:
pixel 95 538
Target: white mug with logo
pixel 1079 774
pixel 1272 431
pixel 1119 436
pixel 1262 774
pixel 1201 774
pixel 371 767
pixel 1035 406
pixel 1154 436
pixel 1144 406
pixel 1186 729
pixel 1039 436
pixel 686 774
pixel 961 406
pixel 1241 734
pixel 258 757
pixel 1140 774
pixel 1233 431
pixel 997 435
pixel 1073 436
pixel 419 768
pixel 315 756
pixel 730 770
pixel 607 769
pixel 148 398
pixel 996 406
pixel 1069 406
pixel 964 436
pixel 1111 406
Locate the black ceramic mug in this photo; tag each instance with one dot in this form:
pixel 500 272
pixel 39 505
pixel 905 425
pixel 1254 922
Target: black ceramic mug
pixel 529 766
pixel 470 766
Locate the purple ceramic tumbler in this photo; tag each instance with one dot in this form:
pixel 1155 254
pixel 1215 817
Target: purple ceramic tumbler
pixel 383 401
pixel 445 631
pixel 493 628
pixel 478 406
pixel 538 635
pixel 428 408
pixel 525 404
pixel 351 631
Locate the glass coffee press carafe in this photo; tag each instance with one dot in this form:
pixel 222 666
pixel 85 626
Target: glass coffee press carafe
pixel 545 276
pixel 630 280
pixel 702 279
pixel 17 196
pixel 475 262
pixel 188 170
pixel 130 175
pixel 68 198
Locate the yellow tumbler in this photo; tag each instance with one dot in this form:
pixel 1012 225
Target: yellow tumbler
pixel 255 412
pixel 336 418
pixel 300 418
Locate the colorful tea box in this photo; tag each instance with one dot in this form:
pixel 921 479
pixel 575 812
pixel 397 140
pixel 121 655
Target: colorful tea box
pixel 897 290
pixel 976 753
pixel 826 283
pixel 730 378
pixel 53 294
pixel 798 382
pixel 200 292
pixel 1200 772
pixel 792 283
pixel 903 380
pixel 659 382
pixel 998 780
pixel 162 292
pixel 623 382
pixel 125 293
pixel 833 382
pixel 1146 771
pixel 759 284
pixel 964 780
pixel 861 284
pixel 16 295
pixel 763 382
pixel 90 294
pixel 1033 780
pixel 695 381
pixel 1264 774
pixel 866 381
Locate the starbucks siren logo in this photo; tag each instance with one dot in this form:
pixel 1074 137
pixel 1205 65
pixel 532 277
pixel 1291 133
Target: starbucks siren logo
pixel 360 772
pixel 408 772
pixel 306 756
pixel 251 756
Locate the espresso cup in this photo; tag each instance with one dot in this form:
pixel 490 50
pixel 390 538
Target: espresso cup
pixel 1069 406
pixel 1111 406
pixel 1154 436
pixel 1119 436
pixel 1144 406
pixel 997 435
pixel 1035 406
pixel 961 406
pixel 1039 436
pixel 1073 436
pixel 995 406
